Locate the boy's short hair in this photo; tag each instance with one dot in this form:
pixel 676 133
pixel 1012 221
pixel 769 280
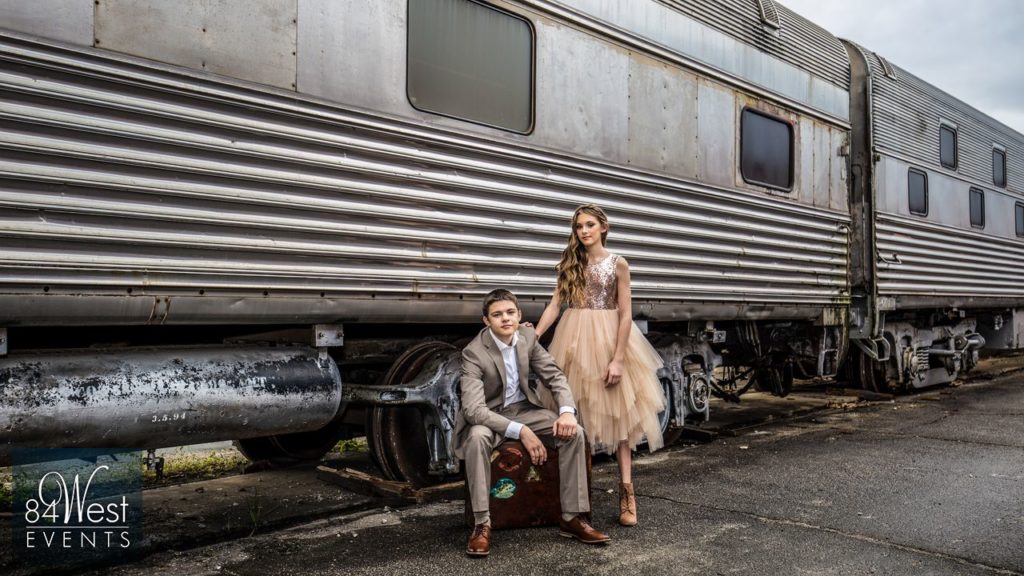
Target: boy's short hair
pixel 497 296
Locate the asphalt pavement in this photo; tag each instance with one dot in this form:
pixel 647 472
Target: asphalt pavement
pixel 927 484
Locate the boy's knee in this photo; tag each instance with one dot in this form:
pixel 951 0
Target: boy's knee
pixel 479 435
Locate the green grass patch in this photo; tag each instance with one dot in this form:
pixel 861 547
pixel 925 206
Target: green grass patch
pixel 351 445
pixel 189 466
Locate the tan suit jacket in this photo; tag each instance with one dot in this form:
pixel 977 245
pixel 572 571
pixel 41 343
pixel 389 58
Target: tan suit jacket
pixel 483 382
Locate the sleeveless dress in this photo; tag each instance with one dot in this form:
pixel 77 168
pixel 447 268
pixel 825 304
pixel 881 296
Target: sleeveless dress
pixel 583 346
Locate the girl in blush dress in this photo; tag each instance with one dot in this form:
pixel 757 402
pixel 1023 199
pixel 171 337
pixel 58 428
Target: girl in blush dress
pixel 611 368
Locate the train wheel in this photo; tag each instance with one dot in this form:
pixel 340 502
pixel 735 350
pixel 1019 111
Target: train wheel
pixel 259 449
pixel 371 444
pixel 396 434
pixel 289 449
pixel 870 374
pixel 403 450
pixel 778 381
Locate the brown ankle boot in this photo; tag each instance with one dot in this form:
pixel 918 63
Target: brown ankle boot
pixel 627 504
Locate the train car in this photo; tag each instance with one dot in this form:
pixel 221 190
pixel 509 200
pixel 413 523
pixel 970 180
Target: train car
pixel 939 185
pixel 274 222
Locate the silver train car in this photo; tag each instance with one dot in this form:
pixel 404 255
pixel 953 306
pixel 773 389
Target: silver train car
pixel 939 186
pixel 274 221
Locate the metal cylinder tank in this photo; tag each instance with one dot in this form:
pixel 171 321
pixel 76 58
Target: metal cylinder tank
pixel 153 398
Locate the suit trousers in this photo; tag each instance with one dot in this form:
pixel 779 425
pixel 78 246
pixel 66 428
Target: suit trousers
pixel 572 458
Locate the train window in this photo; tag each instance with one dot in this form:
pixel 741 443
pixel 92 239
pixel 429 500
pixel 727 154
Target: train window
pixel 471 61
pixel 766 150
pixel 917 190
pixel 977 208
pixel 947 146
pixel 999 167
pixel 1020 219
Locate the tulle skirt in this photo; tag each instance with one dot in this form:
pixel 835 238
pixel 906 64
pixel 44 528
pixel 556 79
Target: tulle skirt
pixel 583 346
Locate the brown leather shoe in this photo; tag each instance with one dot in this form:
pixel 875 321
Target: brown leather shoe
pixel 581 530
pixel 479 541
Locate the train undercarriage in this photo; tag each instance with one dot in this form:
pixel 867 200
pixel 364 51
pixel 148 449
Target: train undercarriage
pixel 920 349
pixel 289 394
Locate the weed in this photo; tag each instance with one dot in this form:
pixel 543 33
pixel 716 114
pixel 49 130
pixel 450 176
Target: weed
pixel 351 445
pixel 256 508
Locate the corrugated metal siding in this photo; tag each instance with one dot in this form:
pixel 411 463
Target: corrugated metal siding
pixel 906 121
pixel 800 42
pixel 944 261
pixel 116 174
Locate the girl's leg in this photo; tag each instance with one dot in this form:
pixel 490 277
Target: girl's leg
pixel 625 458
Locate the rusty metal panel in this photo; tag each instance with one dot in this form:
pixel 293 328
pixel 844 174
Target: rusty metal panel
pixel 64 20
pixel 822 165
pixel 838 190
pixel 804 133
pixel 815 75
pixel 581 106
pixel 334 36
pixel 136 193
pixel 662 118
pixel 999 206
pixel 890 179
pixel 947 201
pixel 253 40
pixel 717 134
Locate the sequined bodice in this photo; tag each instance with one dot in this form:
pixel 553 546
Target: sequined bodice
pixel 601 291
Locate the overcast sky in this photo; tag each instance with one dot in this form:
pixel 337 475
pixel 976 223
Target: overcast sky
pixel 972 49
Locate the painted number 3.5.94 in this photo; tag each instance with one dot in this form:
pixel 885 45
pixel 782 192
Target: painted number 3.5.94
pixel 169 417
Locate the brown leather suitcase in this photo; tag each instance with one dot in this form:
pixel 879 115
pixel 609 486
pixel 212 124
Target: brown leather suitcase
pixel 523 495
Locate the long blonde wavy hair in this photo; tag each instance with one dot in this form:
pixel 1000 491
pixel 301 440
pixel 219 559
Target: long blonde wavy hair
pixel 571 280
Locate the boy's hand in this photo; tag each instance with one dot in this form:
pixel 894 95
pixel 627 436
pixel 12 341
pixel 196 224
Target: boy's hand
pixel 533 445
pixel 565 426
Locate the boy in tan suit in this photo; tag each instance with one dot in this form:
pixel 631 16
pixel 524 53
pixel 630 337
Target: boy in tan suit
pixel 497 403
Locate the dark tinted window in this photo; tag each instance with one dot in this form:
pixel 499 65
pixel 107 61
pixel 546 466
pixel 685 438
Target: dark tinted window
pixel 471 61
pixel 977 208
pixel 999 168
pixel 766 150
pixel 917 187
pixel 1020 219
pixel 947 147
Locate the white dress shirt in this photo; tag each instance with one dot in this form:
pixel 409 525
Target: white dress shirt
pixel 513 393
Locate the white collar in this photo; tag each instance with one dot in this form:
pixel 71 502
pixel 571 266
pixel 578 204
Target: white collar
pixel 501 345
